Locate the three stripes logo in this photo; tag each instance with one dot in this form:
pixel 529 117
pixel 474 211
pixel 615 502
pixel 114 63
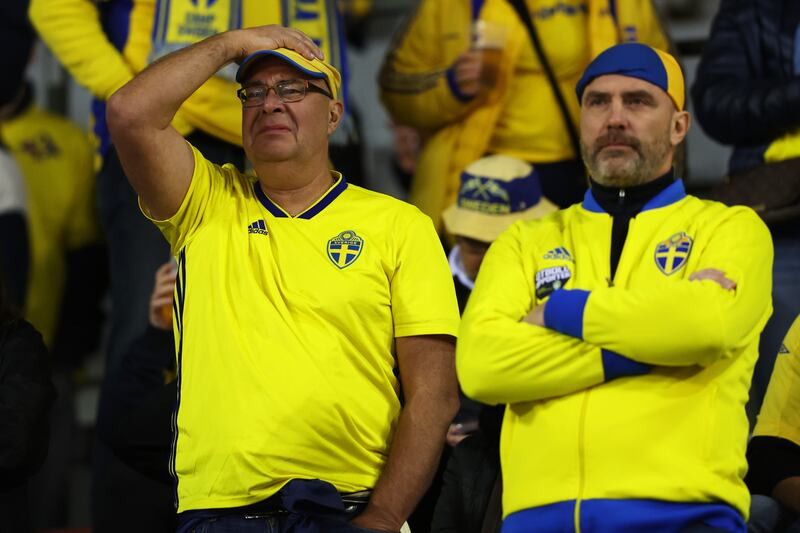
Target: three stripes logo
pixel 258 227
pixel 559 253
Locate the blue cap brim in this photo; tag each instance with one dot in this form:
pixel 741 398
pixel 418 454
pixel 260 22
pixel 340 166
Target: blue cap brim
pixel 240 73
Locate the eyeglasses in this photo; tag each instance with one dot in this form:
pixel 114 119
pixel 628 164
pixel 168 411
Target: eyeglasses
pixel 288 91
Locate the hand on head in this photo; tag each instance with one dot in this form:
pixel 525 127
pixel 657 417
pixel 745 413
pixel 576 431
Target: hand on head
pixel 161 299
pixel 273 36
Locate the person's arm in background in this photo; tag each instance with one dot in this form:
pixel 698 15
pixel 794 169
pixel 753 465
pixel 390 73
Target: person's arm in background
pixel 429 78
pixel 86 276
pixel 135 418
pixel 73 32
pixel 734 101
pixel 430 390
pixel 26 395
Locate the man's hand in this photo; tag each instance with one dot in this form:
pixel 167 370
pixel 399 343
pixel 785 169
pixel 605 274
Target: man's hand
pixel 273 36
pixel 161 298
pixel 467 72
pixel 715 275
pixel 536 316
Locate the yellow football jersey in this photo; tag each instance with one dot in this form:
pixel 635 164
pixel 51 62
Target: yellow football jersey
pixel 285 331
pixel 780 412
pixel 56 160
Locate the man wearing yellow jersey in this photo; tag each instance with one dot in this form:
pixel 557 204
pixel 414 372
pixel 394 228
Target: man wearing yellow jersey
pixel 623 331
pixel 774 451
pixel 297 296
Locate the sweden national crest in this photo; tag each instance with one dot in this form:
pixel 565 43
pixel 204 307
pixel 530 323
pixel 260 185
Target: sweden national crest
pixel 673 253
pixel 344 249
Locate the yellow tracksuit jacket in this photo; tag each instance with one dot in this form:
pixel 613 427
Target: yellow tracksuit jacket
pixel 584 421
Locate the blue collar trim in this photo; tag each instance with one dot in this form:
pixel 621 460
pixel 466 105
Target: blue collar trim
pixel 337 189
pixel 672 194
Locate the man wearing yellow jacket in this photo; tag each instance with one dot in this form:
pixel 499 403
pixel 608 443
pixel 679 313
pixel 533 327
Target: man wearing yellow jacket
pixel 429 81
pixel 623 331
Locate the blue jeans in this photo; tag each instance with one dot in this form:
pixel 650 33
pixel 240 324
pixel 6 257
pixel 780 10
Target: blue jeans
pixel 270 524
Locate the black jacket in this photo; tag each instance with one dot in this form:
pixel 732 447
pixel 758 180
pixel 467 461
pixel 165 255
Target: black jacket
pixel 746 93
pixel 26 395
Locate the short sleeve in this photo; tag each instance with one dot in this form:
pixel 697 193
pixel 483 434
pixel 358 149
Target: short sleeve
pixel 423 293
pixel 204 194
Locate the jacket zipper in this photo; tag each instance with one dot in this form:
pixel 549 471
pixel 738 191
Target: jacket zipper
pixel 581 460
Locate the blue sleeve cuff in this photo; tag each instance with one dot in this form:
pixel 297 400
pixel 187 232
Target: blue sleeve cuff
pixel 617 366
pixel 563 312
pixel 451 82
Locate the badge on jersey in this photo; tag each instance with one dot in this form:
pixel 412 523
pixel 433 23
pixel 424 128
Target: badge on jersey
pixel 673 253
pixel 344 249
pixel 551 279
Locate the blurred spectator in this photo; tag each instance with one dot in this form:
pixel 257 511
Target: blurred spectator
pixel 14 246
pixel 67 276
pixel 103 45
pixel 774 450
pixel 747 94
pixel 495 192
pixel 135 419
pixel 26 395
pixel 468 70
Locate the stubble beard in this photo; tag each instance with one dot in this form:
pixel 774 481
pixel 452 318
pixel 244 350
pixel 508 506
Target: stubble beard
pixel 625 167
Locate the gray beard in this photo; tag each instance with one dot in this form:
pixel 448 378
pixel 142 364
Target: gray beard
pixel 634 170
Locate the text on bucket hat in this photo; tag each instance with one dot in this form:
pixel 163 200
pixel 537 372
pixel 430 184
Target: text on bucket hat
pixel 496 191
pixel 638 60
pixel 315 68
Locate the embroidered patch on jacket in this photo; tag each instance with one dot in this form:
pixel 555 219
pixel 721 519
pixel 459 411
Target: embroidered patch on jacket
pixel 559 253
pixel 673 253
pixel 259 227
pixel 551 279
pixel 344 249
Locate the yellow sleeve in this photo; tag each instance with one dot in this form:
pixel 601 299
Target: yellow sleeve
pixel 502 360
pixel 686 322
pixel 414 78
pixel 72 31
pixel 638 20
pixel 84 227
pixel 423 294
pixel 205 192
pixel 780 412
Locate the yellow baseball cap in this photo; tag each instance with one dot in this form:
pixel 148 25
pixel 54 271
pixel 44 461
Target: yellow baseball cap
pixel 316 68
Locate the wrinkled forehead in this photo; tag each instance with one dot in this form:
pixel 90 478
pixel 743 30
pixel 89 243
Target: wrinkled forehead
pixel 271 69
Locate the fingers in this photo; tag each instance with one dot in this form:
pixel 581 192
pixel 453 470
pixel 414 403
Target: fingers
pixel 295 40
pixel 714 275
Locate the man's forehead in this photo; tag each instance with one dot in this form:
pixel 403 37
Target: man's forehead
pixel 619 83
pixel 271 67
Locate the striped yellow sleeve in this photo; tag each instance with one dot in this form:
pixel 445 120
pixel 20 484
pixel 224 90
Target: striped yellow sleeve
pixel 502 360
pixel 72 31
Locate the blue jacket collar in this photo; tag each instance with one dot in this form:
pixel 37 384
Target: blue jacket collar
pixel 672 194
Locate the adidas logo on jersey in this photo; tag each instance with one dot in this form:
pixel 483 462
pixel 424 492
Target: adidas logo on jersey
pixel 258 227
pixel 559 253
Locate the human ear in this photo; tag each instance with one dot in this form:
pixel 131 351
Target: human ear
pixel 681 121
pixel 335 113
